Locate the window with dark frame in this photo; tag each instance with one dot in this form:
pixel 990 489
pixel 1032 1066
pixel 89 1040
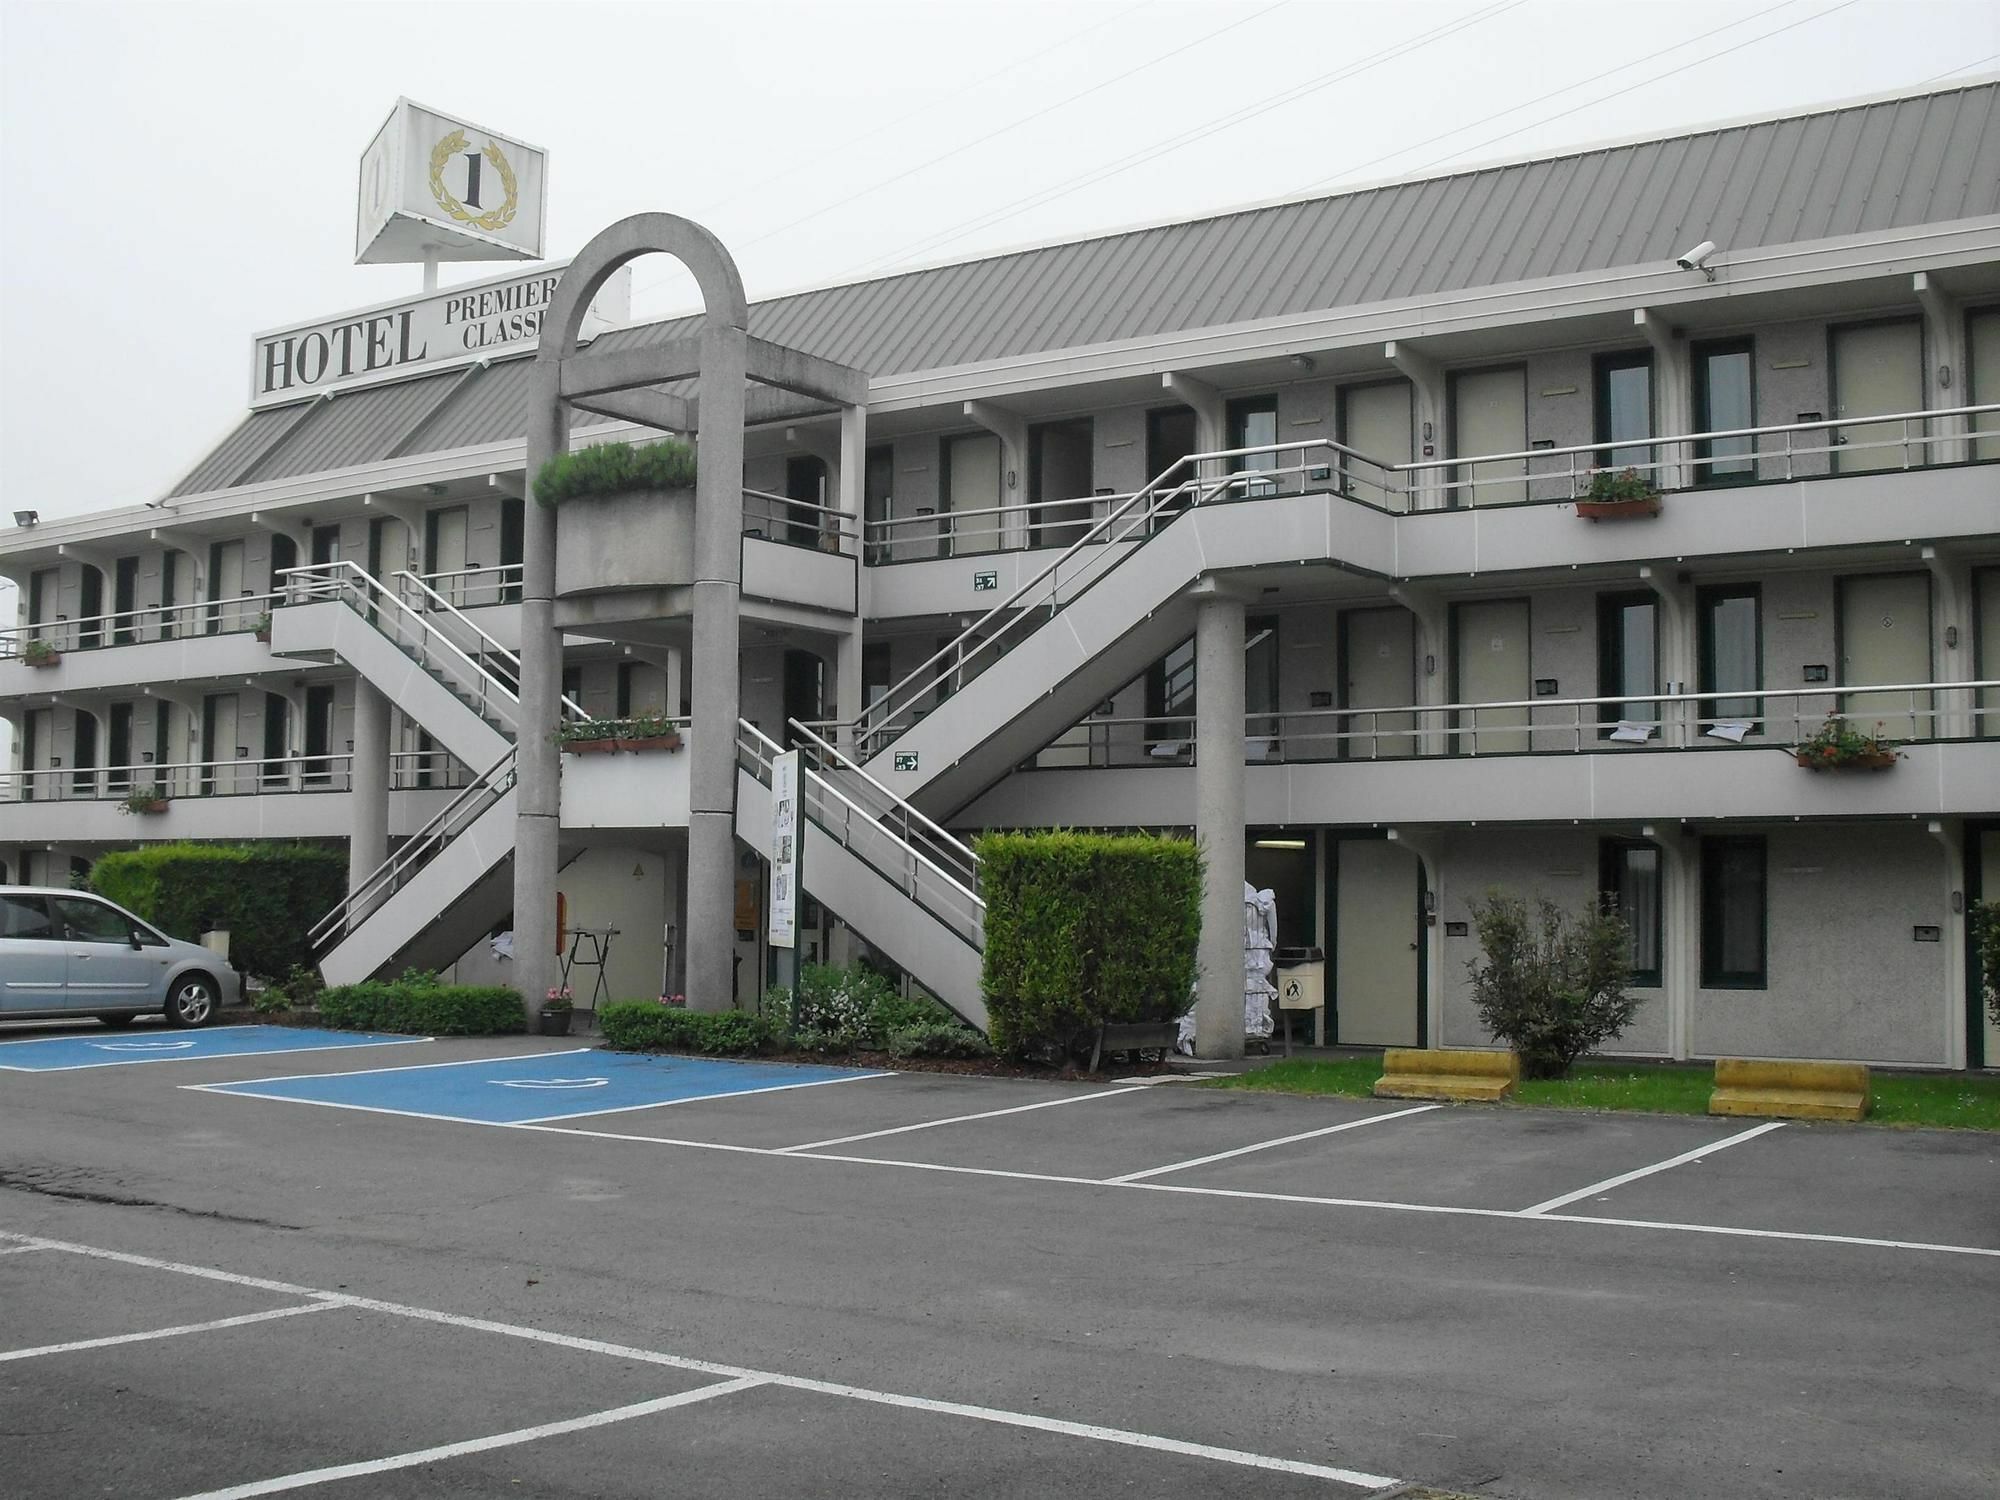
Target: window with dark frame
pixel 1735 913
pixel 1623 409
pixel 1628 662
pixel 1253 423
pixel 1731 664
pixel 1629 881
pixel 1725 399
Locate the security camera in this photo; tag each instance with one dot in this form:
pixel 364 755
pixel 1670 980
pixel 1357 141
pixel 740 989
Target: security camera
pixel 1697 259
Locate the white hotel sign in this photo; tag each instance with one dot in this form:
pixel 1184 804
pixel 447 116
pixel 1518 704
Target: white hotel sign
pixel 483 320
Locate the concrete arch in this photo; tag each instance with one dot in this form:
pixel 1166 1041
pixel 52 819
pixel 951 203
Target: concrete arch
pixel 713 268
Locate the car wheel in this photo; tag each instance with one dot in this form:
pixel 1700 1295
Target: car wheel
pixel 192 1001
pixel 118 1020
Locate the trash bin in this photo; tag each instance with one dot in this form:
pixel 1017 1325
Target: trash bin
pixel 1301 979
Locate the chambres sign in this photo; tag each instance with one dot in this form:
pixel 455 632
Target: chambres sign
pixel 393 340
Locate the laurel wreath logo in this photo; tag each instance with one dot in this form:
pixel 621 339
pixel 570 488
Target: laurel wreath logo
pixel 494 218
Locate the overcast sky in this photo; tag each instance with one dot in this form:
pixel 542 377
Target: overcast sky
pixel 175 177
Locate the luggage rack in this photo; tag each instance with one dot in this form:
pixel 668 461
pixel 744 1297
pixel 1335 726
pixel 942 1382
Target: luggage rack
pixel 589 948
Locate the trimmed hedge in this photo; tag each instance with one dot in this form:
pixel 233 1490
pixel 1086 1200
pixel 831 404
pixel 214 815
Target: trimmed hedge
pixel 1086 928
pixel 614 469
pixel 417 1004
pixel 267 895
pixel 648 1026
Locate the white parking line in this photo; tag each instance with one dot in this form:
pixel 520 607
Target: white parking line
pixel 990 1114
pixel 163 1333
pixel 792 1154
pixel 1659 1166
pixel 444 1451
pixel 463 1062
pixel 1284 1140
pixel 730 1374
pixel 18 1249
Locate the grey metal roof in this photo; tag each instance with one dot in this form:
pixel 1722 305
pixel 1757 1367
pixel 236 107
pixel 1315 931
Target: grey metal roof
pixel 1924 158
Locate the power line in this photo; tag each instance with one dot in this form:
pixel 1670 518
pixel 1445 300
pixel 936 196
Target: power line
pixel 1012 125
pixel 1644 83
pixel 1954 72
pixel 1187 137
pixel 923 109
pixel 1347 172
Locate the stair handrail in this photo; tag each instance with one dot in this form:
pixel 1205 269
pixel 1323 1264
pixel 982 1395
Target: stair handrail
pixel 313 579
pixel 1197 491
pixel 382 879
pixel 570 707
pixel 762 748
pixel 949 841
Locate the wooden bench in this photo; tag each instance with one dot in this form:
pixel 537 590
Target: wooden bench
pixel 1438 1073
pixel 1789 1090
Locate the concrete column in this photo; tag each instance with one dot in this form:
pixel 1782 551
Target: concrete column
pixel 847 686
pixel 1945 383
pixel 1673 395
pixel 538 770
pixel 1218 787
pixel 718 587
pixel 368 833
pixel 1432 392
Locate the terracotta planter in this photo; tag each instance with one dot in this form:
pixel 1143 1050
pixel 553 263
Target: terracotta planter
pixel 1618 510
pixel 149 809
pixel 53 659
pixel 1875 760
pixel 590 747
pixel 264 635
pixel 651 742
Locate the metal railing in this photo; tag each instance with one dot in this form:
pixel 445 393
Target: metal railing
pixel 412 632
pixel 904 822
pixel 1086 560
pixel 476 585
pixel 904 866
pixel 416 851
pixel 804 523
pixel 1690 460
pixel 1769 717
pixel 235 776
pixel 488 652
pixel 129 627
pixel 1735 455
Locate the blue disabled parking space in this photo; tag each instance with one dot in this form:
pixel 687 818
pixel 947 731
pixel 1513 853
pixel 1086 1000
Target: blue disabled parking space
pixel 106 1048
pixel 535 1089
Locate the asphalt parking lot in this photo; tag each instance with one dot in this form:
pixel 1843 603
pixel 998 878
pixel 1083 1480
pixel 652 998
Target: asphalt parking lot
pixel 371 1266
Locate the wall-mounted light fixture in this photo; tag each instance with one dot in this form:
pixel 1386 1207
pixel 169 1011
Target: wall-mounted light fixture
pixel 27 517
pixel 1281 843
pixel 1951 637
pixel 1304 363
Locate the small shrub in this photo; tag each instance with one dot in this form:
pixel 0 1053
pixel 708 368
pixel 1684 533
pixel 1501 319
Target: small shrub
pixel 1986 926
pixel 271 1000
pixel 1085 928
pixel 267 894
pixel 1621 484
pixel 931 1040
pixel 648 1026
pixel 614 469
pixel 419 1004
pixel 1549 983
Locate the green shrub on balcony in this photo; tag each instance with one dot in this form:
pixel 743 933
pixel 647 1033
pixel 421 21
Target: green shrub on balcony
pixel 1621 485
pixel 615 469
pixel 267 894
pixel 1085 929
pixel 649 730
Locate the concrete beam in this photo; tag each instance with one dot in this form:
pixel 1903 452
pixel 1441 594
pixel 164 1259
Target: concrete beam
pixel 649 408
pixel 805 374
pixel 603 370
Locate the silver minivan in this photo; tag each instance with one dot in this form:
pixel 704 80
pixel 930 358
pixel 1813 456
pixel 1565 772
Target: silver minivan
pixel 69 953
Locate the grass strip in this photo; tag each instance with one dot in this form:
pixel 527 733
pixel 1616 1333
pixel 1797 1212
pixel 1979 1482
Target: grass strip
pixel 1944 1101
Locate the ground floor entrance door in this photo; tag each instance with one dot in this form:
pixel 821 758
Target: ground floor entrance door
pixel 1376 968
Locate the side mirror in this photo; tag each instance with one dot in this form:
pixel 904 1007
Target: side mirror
pixel 132 935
